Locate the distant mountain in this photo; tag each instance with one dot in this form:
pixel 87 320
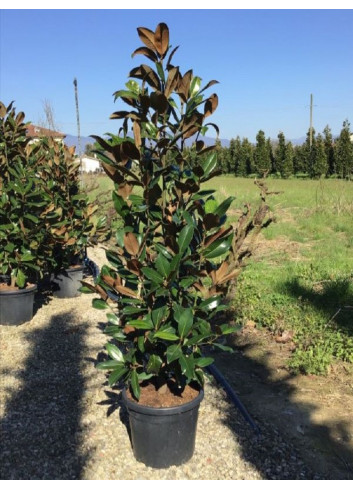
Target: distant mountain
pixel 298 141
pixel 70 140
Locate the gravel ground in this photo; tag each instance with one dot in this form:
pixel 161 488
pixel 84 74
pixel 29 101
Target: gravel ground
pixel 60 420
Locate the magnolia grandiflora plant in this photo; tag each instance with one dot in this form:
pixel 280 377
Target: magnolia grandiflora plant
pixel 71 220
pixel 23 201
pixel 174 256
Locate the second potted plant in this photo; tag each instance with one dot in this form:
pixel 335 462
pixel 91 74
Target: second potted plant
pixel 71 221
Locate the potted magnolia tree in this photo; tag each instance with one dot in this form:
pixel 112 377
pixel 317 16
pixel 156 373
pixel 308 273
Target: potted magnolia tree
pixel 71 221
pixel 23 250
pixel 174 253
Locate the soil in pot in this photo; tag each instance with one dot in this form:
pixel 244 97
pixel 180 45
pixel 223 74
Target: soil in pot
pixel 163 436
pixel 65 284
pixel 16 305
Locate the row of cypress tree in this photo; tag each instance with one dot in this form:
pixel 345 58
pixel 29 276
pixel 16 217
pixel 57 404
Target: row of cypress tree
pixel 326 156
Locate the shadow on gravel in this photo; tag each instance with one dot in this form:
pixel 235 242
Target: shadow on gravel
pixel 115 402
pixel 290 446
pixel 40 431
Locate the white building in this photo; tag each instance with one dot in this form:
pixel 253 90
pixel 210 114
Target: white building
pixel 90 164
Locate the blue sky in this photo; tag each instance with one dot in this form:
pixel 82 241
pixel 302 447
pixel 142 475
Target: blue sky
pixel 268 62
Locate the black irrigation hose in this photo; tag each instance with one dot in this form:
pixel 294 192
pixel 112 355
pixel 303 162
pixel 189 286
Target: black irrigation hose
pixel 211 368
pixel 94 269
pixel 233 397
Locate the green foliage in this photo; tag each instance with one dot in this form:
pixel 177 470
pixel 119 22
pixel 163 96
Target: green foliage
pixel 344 152
pixel 175 255
pixel 262 155
pixel 323 158
pixel 319 166
pixel 46 221
pixel 70 220
pixel 23 202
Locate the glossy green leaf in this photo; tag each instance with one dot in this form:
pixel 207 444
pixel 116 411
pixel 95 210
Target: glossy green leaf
pixel 113 319
pixel 185 322
pixel 114 352
pixel 109 365
pixel 141 343
pixel 158 315
pixel 167 334
pixel 163 250
pixel 130 310
pixel 126 94
pixel 185 237
pixel 116 375
pixel 218 248
pixel 162 265
pixel 187 365
pixel 120 205
pixel 202 194
pixel 203 361
pixel 152 275
pixel 195 85
pixel 173 353
pixel 185 283
pixel 209 164
pixel 223 207
pixel 141 324
pixel 135 384
pixel 99 304
pixel 20 279
pixel 154 364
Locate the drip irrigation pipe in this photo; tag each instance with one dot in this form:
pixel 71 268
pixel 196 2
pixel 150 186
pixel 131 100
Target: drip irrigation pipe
pixel 233 397
pixel 94 269
pixel 212 369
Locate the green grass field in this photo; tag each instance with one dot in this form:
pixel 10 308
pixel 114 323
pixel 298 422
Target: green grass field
pixel 301 277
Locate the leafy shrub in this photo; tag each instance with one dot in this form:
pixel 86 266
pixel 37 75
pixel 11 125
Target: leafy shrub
pixel 175 255
pixel 23 245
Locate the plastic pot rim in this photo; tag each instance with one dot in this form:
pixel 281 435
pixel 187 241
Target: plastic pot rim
pixel 26 290
pixel 163 411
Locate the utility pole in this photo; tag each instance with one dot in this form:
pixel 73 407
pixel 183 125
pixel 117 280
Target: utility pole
pixel 311 121
pixel 78 128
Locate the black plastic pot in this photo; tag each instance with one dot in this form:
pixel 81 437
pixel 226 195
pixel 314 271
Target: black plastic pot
pixel 162 437
pixel 66 283
pixel 16 306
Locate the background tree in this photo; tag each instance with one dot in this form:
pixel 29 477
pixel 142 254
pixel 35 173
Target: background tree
pixel 262 157
pixel 319 165
pixel 270 153
pixel 288 164
pixel 309 152
pixel 222 156
pixel 329 151
pixel 237 155
pixel 280 154
pixel 232 156
pixel 344 152
pixel 247 156
pixel 300 159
